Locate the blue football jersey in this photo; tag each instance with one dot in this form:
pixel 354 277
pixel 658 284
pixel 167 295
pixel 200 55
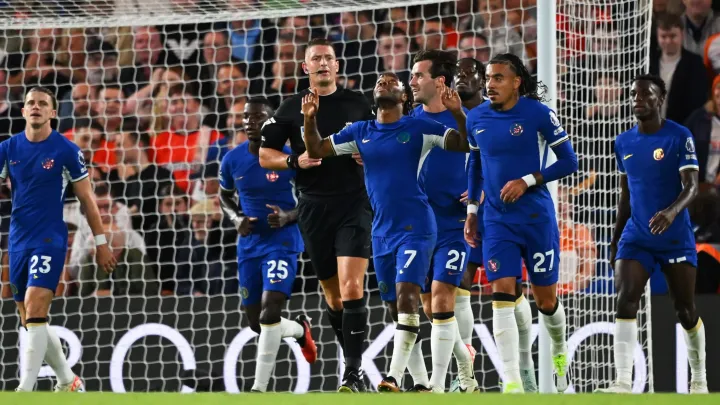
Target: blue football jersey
pixel 240 170
pixel 443 177
pixel 652 164
pixel 393 155
pixel 39 175
pixel 513 144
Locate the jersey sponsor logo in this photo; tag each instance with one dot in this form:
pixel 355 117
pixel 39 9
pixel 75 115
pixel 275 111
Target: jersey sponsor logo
pixel 493 265
pixel 244 293
pixel 403 137
pixel 658 154
pixel 691 157
pixel 516 130
pixel 554 119
pixel 690 145
pixel 272 177
pixel 626 157
pixel 48 163
pixel 558 131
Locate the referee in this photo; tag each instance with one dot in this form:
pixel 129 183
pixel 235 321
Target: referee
pixel 334 212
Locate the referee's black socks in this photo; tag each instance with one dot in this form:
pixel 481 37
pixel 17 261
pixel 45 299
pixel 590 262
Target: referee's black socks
pixel 336 322
pixel 354 326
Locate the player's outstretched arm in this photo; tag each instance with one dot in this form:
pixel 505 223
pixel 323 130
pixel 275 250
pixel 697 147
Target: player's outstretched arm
pixel 314 144
pixel 232 209
pixel 103 256
pixel 623 215
pixel 662 220
pixel 455 140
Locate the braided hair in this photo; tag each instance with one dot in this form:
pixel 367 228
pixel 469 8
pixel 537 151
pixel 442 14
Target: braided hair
pixel 530 87
pixel 408 104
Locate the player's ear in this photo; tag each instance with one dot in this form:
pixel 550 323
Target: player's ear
pixel 53 114
pixel 304 68
pixel 517 82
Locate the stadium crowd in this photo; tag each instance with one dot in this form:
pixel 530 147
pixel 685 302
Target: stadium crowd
pixel 155 108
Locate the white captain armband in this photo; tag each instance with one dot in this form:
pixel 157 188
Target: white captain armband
pixel 100 240
pixel 472 209
pixel 529 180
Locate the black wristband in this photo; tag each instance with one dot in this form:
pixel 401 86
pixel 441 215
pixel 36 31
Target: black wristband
pixel 292 161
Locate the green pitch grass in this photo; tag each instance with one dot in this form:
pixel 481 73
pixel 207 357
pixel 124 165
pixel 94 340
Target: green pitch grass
pixel 349 399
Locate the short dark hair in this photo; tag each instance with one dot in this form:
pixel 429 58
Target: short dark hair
pixel 109 86
pixel 44 90
pixel 668 21
pixel 479 66
pixel 141 138
pixel 318 42
pixel 182 89
pixel 262 101
pixel 408 105
pixel 101 189
pixel 443 63
pixel 654 79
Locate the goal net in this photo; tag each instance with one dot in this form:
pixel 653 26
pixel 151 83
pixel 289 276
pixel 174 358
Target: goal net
pixel 169 319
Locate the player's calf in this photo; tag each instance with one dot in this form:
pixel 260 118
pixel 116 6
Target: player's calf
pixel 553 313
pixel 406 332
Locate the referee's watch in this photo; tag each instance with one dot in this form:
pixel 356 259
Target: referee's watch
pixel 292 161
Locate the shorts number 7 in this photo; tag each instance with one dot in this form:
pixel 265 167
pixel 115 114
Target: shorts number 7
pixel 412 254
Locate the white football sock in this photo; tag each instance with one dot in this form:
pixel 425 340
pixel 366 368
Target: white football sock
pixel 625 342
pixel 464 316
pixel 268 346
pixel 463 358
pixel 403 344
pixel 442 341
pixel 523 318
pixel 416 366
pixel 505 331
pixel 695 342
pixel 55 358
pixel 33 355
pixel 555 325
pixel 291 328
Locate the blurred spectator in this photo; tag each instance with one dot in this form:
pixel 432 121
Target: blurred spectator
pixel 295 29
pixel 705 214
pixel 115 216
pixel 285 72
pixel 398 17
pixel 110 117
pixel 494 25
pixel 704 124
pixel 183 43
pixel 213 267
pixel 102 63
pixel 140 79
pixel 79 108
pixel 132 276
pixel 34 64
pixel 176 149
pixel 394 53
pixel 87 136
pixel 700 24
pixel 231 88
pixel 137 181
pixel 11 119
pixel 473 45
pixel 577 246
pixel 430 34
pixel 169 246
pixel 245 37
pixel 358 49
pixel 682 71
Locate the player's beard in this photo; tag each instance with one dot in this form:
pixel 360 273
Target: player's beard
pixel 465 95
pixel 386 101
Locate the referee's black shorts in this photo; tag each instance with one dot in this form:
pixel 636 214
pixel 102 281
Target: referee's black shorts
pixel 332 228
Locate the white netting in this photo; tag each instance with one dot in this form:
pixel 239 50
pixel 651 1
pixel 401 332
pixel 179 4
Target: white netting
pixel 602 46
pixel 113 65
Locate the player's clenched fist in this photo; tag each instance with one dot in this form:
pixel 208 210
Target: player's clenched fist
pixel 244 225
pixel 104 258
pixel 451 100
pixel 471 226
pixel 310 104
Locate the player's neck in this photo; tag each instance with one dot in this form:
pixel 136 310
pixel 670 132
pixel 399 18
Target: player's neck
pixel 254 147
pixel 39 134
pixel 650 125
pixel 389 115
pixel 435 105
pixel 326 90
pixel 475 101
pixel 510 104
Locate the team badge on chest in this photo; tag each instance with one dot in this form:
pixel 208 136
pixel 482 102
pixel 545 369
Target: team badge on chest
pixel 48 164
pixel 272 176
pixel 658 154
pixel 516 130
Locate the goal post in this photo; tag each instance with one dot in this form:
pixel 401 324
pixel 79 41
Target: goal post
pixel 172 339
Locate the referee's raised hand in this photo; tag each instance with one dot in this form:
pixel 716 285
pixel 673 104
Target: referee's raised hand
pixel 310 104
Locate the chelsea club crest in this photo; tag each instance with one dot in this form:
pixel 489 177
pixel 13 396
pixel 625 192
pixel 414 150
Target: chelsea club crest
pixel 516 130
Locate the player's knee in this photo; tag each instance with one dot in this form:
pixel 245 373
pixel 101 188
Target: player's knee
pixel 408 297
pixel 443 302
pixel 546 304
pixel 392 308
pixel 428 312
pixel 335 303
pixel 270 316
pixel 352 288
pixel 626 308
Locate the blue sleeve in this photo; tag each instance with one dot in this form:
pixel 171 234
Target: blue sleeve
pixel 226 176
pixel 550 127
pixel 688 158
pixel 618 157
pixel 75 163
pixel 345 141
pixel 475 177
pixel 566 164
